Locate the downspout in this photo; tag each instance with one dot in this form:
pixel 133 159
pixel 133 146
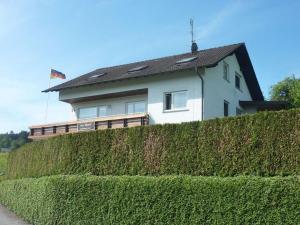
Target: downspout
pixel 200 73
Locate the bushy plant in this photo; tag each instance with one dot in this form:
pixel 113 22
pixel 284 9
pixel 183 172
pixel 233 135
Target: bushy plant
pixel 266 144
pixel 3 163
pixel 86 200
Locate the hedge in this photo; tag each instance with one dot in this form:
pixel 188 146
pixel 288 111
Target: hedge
pixel 88 200
pixel 3 163
pixel 265 144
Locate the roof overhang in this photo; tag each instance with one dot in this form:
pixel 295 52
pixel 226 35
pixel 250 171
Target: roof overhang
pixel 264 105
pixel 105 96
pixel 249 73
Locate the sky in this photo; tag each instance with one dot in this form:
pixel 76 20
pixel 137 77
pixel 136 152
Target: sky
pixel 78 36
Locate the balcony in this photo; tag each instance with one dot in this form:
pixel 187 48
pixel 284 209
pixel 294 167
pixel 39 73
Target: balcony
pixel 119 121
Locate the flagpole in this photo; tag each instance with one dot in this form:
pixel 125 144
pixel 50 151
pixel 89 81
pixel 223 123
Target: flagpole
pixel 48 94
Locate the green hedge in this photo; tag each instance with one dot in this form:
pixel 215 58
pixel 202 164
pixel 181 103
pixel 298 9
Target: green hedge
pixel 264 144
pixel 88 200
pixel 3 163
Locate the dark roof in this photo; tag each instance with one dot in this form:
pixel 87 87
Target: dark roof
pixel 265 105
pixel 205 58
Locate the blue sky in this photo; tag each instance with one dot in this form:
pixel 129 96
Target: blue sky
pixel 77 36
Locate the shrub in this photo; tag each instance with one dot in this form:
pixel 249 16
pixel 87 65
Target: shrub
pixel 164 200
pixel 265 144
pixel 31 199
pixel 3 163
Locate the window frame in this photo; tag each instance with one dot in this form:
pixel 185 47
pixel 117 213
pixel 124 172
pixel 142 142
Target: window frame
pixel 172 100
pixel 134 102
pixel 86 107
pixel 226 68
pixel 108 110
pixel 239 76
pixel 227 104
pixel 97 111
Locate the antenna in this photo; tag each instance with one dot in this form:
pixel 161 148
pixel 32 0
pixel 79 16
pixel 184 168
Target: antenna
pixel 194 46
pixel 192 29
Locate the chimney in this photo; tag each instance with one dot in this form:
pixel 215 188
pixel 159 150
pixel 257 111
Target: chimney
pixel 194 47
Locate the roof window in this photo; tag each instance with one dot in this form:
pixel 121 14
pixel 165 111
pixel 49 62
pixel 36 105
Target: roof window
pixel 138 68
pixel 186 60
pixel 96 75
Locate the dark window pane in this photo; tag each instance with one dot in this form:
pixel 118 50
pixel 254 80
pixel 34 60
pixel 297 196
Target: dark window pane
pixel 225 108
pixel 238 111
pixel 168 101
pixel 237 82
pixel 226 71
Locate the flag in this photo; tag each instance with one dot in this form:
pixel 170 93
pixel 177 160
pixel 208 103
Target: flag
pixel 56 74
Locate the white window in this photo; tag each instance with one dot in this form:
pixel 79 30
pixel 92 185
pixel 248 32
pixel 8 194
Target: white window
pixel 88 112
pixel 93 112
pixel 136 107
pixel 104 110
pixel 225 71
pixel 175 100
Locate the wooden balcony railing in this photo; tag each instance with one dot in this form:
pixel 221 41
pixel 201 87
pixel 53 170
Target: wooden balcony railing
pixel 119 121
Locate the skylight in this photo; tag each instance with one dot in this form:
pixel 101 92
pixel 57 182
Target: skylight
pixel 96 75
pixel 186 60
pixel 138 68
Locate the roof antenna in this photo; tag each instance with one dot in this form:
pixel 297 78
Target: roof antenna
pixel 194 47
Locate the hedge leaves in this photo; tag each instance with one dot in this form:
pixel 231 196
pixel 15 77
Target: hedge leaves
pixel 265 144
pixel 165 200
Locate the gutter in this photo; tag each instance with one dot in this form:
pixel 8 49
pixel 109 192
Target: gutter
pixel 200 71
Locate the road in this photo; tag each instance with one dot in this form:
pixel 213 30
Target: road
pixel 8 218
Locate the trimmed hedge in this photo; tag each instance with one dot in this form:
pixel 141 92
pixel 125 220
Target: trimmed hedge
pixel 264 144
pixel 3 163
pixel 88 200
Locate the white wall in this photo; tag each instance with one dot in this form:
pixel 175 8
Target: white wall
pixel 217 89
pixel 157 86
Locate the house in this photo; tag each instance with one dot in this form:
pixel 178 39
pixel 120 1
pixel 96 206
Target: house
pixel 194 86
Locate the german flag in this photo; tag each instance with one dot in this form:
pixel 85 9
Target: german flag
pixel 56 74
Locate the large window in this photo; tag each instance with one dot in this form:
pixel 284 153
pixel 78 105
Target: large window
pixel 237 81
pixel 175 100
pixel 226 108
pixel 225 71
pixel 93 112
pixel 136 107
pixel 88 112
pixel 104 110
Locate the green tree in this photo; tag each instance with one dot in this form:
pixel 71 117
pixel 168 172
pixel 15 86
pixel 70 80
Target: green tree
pixel 287 90
pixel 13 140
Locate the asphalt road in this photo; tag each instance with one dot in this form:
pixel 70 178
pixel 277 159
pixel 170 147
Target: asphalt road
pixel 8 218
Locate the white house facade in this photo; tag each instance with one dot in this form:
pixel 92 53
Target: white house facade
pixel 183 87
pixel 194 86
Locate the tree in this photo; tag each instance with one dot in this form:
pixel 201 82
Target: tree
pixel 13 140
pixel 287 90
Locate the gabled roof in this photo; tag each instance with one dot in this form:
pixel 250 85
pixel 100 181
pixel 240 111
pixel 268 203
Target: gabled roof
pixel 203 58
